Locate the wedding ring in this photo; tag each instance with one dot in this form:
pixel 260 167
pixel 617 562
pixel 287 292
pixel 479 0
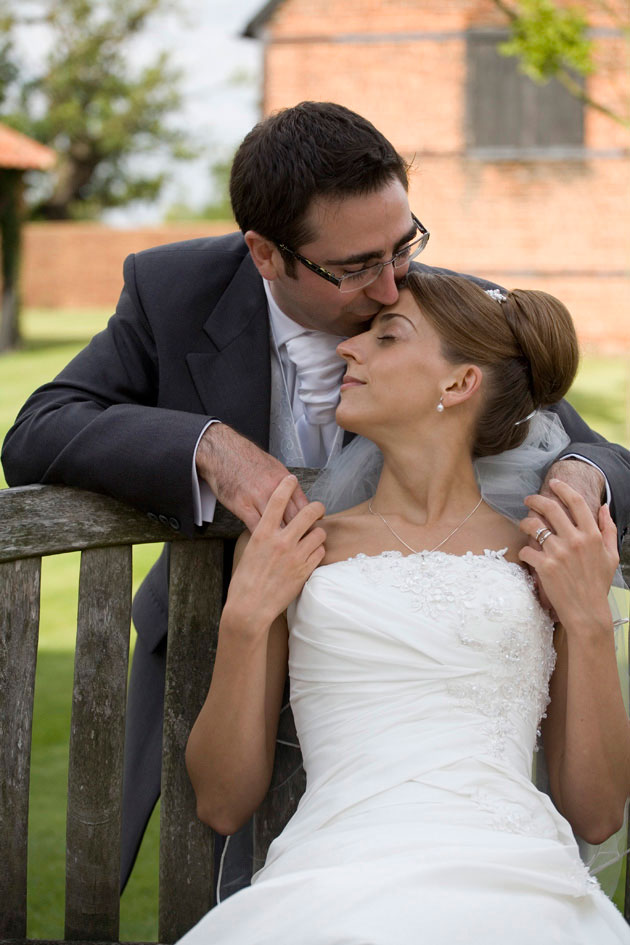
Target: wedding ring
pixel 542 529
pixel 542 535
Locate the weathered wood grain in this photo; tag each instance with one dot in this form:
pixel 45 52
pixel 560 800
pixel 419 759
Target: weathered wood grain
pixel 93 829
pixel 19 627
pixel 42 520
pixel 187 845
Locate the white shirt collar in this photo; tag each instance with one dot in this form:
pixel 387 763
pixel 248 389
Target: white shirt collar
pixel 283 327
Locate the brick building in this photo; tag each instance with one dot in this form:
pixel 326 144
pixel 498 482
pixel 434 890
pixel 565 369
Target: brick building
pixel 517 182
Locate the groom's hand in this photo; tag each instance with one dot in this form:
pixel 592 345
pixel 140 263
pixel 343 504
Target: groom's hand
pixel 242 476
pixel 585 479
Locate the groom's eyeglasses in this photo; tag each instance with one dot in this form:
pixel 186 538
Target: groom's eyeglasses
pixel 352 281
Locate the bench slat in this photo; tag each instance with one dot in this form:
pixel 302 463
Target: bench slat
pixel 93 829
pixel 19 630
pixel 42 520
pixel 187 845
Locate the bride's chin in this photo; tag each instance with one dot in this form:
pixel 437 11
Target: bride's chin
pixel 351 421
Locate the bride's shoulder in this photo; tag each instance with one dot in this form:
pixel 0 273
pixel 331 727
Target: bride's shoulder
pixel 502 532
pixel 345 532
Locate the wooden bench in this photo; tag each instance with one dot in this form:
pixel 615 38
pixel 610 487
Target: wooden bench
pixel 43 520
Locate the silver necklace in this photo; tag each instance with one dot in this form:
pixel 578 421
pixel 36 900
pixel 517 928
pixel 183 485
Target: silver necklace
pixel 402 540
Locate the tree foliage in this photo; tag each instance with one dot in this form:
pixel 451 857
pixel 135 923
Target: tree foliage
pixel 547 39
pixel 93 105
pixel 552 40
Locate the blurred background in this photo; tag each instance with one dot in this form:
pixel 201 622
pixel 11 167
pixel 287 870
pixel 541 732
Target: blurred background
pixel 118 121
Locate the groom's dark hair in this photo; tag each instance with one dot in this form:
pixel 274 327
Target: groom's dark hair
pixel 314 149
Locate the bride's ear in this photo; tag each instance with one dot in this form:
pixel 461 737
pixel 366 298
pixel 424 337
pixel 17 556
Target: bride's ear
pixel 463 384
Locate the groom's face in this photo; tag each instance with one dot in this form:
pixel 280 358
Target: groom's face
pixel 351 233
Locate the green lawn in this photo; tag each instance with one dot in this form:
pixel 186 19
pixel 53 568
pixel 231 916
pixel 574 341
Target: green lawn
pixel 601 394
pixel 51 339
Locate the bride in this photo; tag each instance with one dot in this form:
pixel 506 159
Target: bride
pixel 422 662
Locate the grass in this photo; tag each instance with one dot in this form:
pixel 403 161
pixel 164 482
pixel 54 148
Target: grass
pixel 49 767
pixel 51 339
pixel 601 394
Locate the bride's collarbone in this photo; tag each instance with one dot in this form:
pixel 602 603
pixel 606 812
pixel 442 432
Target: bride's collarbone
pixel 355 531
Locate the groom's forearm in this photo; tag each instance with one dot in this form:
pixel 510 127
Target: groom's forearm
pixel 586 479
pixel 612 459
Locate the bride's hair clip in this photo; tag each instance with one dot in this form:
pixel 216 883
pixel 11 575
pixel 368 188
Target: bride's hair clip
pixel 498 296
pixel 525 419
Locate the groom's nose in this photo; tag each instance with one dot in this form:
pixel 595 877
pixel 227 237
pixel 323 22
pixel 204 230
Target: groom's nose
pixel 385 288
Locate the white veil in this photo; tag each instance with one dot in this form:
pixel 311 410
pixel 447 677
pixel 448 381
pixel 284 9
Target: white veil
pixel 504 480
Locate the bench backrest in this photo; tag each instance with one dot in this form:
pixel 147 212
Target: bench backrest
pixel 42 520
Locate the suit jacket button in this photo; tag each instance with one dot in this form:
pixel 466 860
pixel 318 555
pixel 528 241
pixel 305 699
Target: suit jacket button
pixel 174 523
pixel 152 516
pixel 163 519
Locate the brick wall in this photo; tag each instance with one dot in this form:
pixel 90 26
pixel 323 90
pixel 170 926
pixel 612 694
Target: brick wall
pixel 80 264
pixel 562 225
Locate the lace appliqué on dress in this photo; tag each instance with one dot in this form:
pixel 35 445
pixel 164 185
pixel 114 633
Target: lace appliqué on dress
pixel 518 647
pixel 511 817
pixel 523 661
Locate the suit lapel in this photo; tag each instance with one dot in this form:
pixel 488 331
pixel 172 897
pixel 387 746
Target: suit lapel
pixel 234 380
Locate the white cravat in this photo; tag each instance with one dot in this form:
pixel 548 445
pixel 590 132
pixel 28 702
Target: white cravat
pixel 319 370
pixel 317 440
pixel 313 373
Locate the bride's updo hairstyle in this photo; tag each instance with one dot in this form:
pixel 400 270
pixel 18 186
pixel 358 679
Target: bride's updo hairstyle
pixel 525 345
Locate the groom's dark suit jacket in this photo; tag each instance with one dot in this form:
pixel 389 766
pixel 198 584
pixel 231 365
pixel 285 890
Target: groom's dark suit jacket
pixel 189 341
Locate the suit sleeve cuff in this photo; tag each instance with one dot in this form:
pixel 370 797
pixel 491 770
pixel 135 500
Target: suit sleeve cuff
pixel 204 499
pixel 591 463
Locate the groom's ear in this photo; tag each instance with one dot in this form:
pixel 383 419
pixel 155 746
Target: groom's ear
pixel 265 255
pixel 464 383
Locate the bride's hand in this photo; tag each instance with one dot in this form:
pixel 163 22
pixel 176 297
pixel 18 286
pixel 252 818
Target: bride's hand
pixel 576 563
pixel 277 560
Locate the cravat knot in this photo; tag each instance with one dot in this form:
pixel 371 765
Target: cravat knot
pixel 319 370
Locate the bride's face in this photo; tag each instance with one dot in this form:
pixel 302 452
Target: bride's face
pixel 396 372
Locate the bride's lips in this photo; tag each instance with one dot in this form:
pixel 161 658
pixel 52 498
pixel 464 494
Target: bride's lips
pixel 349 381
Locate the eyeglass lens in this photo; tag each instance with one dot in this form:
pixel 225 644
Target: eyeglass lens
pixel 364 277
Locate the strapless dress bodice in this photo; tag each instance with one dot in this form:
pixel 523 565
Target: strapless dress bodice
pixel 449 651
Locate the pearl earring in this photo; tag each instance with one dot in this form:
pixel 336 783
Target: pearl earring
pixel 440 407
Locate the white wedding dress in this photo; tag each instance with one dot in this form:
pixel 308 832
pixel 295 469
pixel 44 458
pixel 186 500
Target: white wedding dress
pixel 417 685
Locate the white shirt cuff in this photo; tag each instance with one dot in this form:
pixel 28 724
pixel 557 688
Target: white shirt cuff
pixel 591 463
pixel 204 499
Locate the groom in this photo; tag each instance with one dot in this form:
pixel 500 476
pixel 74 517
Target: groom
pixel 218 369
